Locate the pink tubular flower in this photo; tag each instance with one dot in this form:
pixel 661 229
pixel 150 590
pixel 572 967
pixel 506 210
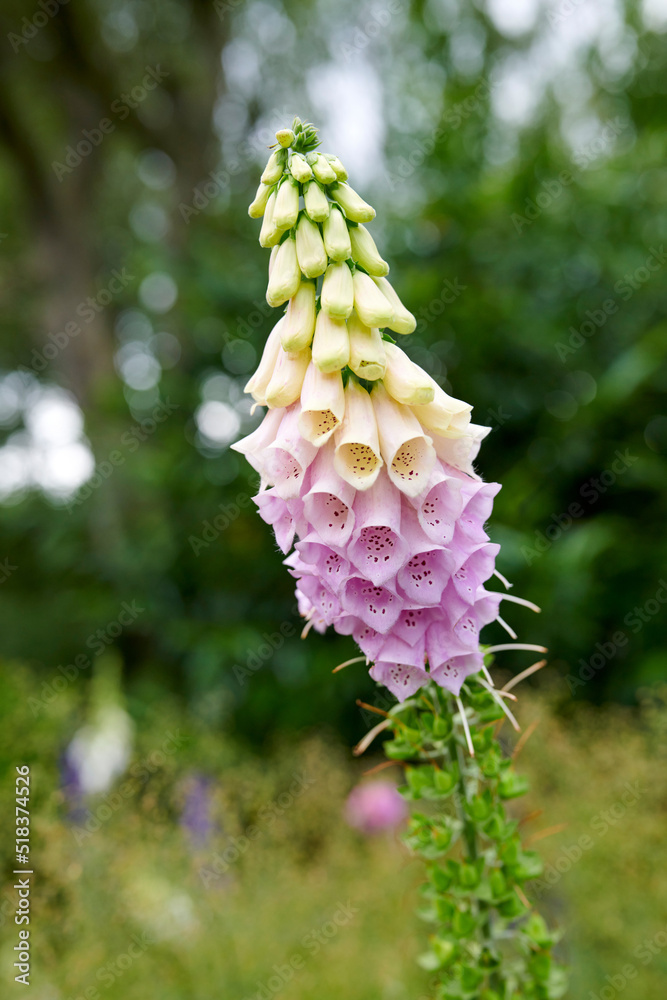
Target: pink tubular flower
pixel 369 481
pixel 375 806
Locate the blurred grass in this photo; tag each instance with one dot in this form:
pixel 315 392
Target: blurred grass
pixel 220 929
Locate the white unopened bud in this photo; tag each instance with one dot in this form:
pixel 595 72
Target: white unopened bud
pixel 286 210
pixel 299 321
pixel 336 235
pixel 405 381
pixel 445 415
pixel 287 379
pixel 357 458
pixel 258 383
pixel 316 202
pixel 322 169
pixel 310 250
pixel 338 168
pixel 337 295
pixel 408 453
pixel 367 356
pixel 300 169
pixel 365 252
pixel 322 405
pixel 371 305
pixel 273 170
pixel 331 343
pixel 285 137
pixel 256 209
pixel 403 321
pixel 352 204
pixel 268 234
pixel 285 275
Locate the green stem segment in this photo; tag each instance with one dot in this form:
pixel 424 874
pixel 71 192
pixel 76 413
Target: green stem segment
pixel 489 943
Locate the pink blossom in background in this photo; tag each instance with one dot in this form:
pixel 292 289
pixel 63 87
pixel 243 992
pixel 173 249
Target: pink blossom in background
pixel 375 806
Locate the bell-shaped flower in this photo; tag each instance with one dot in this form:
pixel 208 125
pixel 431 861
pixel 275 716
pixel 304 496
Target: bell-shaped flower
pixel 310 250
pixel 371 305
pixel 405 381
pixel 478 498
pixel 328 503
pixel 298 324
pixel 476 569
pixel 286 209
pixel 336 235
pixel 444 413
pixel 283 516
pixel 301 170
pixel 337 295
pixel 402 321
pixel 331 343
pixel 365 252
pixel 429 569
pixel 395 650
pixel 327 564
pixel 412 623
pixel 316 202
pixel 461 450
pixel 352 204
pixel 377 547
pixel 408 453
pixel 322 169
pixel 274 168
pixel 322 405
pixel 255 446
pixel 376 606
pixel 258 205
pixel 322 600
pixel 285 276
pixel 399 678
pixel 287 379
pixel 439 505
pixel 367 353
pixel 258 383
pixel 357 457
pixel 290 456
pixel 269 234
pixel 339 169
pixel 451 674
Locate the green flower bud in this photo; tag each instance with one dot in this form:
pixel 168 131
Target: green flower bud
pixel 269 234
pixel 352 204
pixel 298 326
pixel 316 202
pixel 256 209
pixel 285 275
pixel 337 295
pixel 337 167
pixel 273 170
pixel 310 248
pixel 369 302
pixel 367 354
pixel 286 211
pixel 365 252
pixel 300 169
pixel 322 169
pixel 285 137
pixel 403 321
pixel 331 343
pixel 336 235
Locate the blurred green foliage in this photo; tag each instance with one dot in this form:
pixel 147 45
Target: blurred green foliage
pixel 509 237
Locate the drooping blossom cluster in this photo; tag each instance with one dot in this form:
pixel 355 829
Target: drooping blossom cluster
pixel 365 463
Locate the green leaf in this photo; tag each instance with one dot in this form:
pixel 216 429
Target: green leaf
pixel 511 785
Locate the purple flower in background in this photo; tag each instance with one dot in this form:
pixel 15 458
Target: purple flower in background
pixel 375 806
pixel 196 818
